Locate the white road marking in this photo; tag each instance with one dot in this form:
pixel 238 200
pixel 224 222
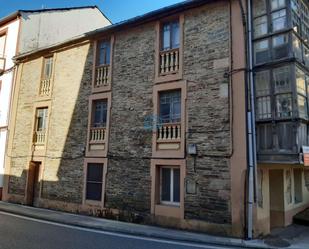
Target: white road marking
pixel 116 234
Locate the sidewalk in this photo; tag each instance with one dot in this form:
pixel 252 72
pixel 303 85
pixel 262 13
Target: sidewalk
pixel 127 228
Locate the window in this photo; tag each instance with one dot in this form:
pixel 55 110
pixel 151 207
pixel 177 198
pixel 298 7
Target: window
pixel 286 136
pixel 260 26
pixel 104 53
pixel 261 49
pixel 284 105
pixel 48 67
pixel 297 47
pixel 280 46
pixel 2 45
pixel 265 137
pixel 262 87
pixel 170 106
pixel 170 35
pixel 41 119
pixel 99 113
pixel 259 7
pixel 2 51
pixel 282 80
pixel 306 55
pixel 279 20
pixel 298 186
pixel 301 81
pixel 277 4
pixel 302 106
pixel 94 181
pixel 170 185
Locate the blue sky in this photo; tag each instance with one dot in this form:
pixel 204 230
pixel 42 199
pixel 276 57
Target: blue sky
pixel 115 10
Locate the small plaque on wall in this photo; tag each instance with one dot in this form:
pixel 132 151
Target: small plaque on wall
pixel 190 187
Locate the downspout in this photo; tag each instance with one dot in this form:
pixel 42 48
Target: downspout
pixel 250 127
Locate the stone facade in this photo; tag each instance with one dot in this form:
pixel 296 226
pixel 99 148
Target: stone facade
pixel 206 56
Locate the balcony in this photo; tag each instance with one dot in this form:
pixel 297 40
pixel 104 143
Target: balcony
pixel 45 87
pixel 2 64
pixel 102 75
pixel 169 132
pixel 169 62
pixel 39 138
pixel 97 135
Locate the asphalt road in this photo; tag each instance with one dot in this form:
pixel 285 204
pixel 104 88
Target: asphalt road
pixel 18 232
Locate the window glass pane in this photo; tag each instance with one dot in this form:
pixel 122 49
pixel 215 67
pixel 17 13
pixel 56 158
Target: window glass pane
pixel 282 79
pixel 262 85
pixel 300 81
pixel 265 137
pixel 170 106
pixel 296 22
pixel 41 119
pixel 175 35
pixel 261 51
pixel 306 55
pixel 166 36
pixel 277 4
pixel 297 47
pixel 259 7
pixel 2 43
pixel 100 113
pixel 302 106
pixel 176 190
pixel 286 138
pixel 104 53
pixel 95 172
pixel 284 105
pixel 165 184
pixel 94 191
pixel 280 40
pixel 48 64
pixel 260 26
pixel 279 20
pixel 263 107
pixel 280 46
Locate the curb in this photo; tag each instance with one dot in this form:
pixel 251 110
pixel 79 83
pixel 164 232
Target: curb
pixel 31 212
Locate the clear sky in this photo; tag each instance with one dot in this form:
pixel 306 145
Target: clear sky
pixel 115 10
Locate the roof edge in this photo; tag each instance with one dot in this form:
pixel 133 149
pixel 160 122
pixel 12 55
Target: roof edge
pixel 9 18
pixel 59 9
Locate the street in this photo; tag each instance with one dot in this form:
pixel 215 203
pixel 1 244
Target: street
pixel 17 232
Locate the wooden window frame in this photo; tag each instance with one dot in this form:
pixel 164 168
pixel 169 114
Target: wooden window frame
pixel 174 76
pixel 180 151
pixel 3 32
pixel 166 209
pixel 107 87
pixel 87 204
pixel 92 99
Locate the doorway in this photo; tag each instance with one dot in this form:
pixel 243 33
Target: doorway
pixel 33 184
pixel 276 198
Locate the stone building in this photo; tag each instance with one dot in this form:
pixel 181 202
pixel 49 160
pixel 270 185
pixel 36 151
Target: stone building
pixel 28 30
pixel 143 121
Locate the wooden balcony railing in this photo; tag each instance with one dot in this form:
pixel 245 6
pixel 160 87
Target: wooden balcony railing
pixel 39 137
pixel 102 76
pixel 167 132
pixel 97 135
pixel 45 87
pixel 169 61
pixel 2 64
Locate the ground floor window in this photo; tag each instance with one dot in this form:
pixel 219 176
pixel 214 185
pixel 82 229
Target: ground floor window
pixel 94 181
pixel 298 184
pixel 170 185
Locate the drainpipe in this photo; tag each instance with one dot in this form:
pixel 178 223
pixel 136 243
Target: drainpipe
pixel 250 127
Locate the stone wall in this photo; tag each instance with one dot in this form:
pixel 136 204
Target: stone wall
pixel 62 164
pixel 128 180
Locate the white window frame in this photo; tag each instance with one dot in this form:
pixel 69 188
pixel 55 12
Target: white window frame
pixel 170 203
